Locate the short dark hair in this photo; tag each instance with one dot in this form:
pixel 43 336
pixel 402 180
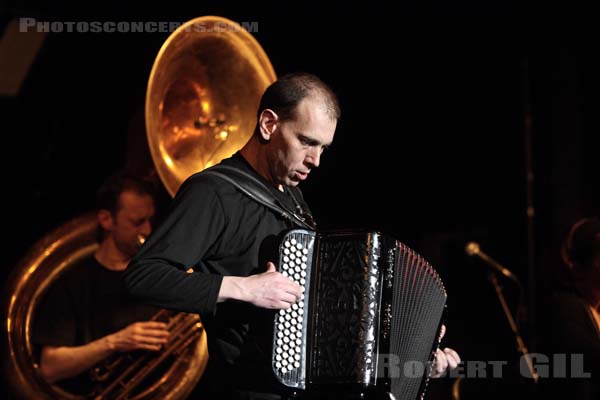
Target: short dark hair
pixel 582 244
pixel 107 196
pixel 284 95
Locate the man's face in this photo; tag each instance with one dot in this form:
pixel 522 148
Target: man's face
pixel 131 220
pixel 297 144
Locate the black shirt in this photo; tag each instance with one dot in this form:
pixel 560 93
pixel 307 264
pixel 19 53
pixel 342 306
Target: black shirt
pixel 218 231
pixel 86 303
pixel 569 329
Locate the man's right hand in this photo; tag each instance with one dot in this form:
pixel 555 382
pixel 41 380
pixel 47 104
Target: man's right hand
pixel 148 335
pixel 60 362
pixel 269 289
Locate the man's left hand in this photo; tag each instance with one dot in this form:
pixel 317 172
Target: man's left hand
pixel 444 359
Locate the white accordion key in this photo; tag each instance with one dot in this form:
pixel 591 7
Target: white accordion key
pixel 289 336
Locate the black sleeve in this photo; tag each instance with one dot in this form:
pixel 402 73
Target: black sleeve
pixel 156 275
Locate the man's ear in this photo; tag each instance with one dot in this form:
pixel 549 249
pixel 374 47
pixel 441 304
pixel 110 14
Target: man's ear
pixel 105 219
pixel 267 123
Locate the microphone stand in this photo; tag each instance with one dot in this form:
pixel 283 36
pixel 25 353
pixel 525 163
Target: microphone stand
pixel 513 326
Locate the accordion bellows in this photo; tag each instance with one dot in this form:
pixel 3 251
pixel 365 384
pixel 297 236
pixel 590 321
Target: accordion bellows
pixel 369 319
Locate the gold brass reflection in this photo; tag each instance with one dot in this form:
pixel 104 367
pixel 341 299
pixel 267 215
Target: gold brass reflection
pixel 202 96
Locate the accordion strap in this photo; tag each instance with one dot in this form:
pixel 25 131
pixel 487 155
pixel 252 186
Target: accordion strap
pixel 257 191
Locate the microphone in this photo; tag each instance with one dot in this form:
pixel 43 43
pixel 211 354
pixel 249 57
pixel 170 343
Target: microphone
pixel 472 249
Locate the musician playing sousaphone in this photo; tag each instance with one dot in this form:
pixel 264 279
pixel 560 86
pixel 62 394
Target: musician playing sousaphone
pixel 230 236
pixel 88 315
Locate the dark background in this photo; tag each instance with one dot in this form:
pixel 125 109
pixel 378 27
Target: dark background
pixel 431 147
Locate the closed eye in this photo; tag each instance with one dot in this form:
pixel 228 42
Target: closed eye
pixel 306 141
pixel 139 222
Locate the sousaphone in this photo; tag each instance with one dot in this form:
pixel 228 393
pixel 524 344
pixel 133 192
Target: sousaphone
pixel 203 95
pixel 201 102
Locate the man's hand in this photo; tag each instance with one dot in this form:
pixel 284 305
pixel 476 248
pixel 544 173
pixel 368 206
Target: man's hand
pixel 61 362
pixel 148 335
pixel 444 359
pixel 267 290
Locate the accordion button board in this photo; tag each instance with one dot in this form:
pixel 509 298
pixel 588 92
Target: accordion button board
pixel 289 350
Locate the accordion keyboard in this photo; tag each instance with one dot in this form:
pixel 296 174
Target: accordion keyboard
pixel 370 307
pixel 289 336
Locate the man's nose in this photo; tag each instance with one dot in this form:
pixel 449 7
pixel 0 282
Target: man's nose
pixel 314 157
pixel 146 228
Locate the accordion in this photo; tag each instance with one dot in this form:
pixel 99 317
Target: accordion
pixel 369 319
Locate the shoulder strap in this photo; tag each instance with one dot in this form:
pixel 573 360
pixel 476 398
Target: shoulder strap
pixel 257 191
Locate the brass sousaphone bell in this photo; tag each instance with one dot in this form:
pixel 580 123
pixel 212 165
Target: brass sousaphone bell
pixel 202 97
